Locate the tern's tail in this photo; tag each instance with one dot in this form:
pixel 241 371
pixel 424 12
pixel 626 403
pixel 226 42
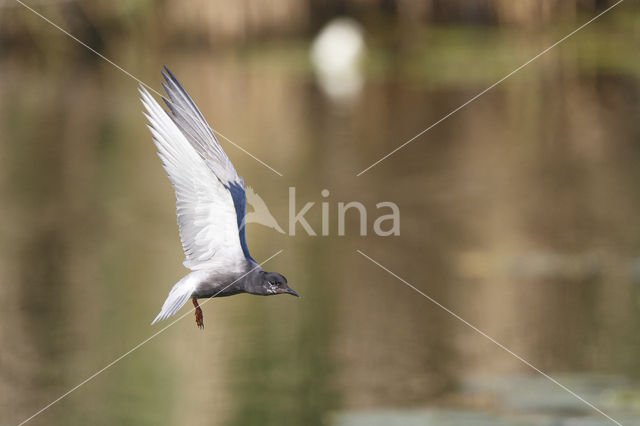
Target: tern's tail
pixel 178 296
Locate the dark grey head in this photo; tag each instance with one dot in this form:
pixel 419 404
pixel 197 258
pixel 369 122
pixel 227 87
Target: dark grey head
pixel 274 283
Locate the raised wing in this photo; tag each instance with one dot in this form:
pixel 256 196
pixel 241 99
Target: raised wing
pixel 190 121
pixel 206 212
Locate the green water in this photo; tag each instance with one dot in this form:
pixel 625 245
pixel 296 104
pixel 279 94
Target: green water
pixel 520 213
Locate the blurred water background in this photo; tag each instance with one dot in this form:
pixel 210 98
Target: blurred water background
pixel 521 213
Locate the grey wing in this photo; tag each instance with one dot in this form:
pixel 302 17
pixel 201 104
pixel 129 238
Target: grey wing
pixel 197 131
pixel 240 202
pixel 207 218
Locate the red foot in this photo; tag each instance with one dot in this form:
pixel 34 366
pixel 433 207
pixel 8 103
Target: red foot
pixel 199 317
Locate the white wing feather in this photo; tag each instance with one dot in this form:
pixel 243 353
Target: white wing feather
pixel 195 128
pixel 206 213
pixel 197 131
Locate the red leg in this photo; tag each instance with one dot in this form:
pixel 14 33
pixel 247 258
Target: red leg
pixel 199 316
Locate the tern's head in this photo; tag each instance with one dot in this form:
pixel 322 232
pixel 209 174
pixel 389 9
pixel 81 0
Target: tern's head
pixel 274 283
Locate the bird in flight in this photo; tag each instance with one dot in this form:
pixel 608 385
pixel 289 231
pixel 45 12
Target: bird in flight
pixel 210 204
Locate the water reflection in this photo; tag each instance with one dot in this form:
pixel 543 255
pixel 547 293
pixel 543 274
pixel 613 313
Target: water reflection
pixel 519 214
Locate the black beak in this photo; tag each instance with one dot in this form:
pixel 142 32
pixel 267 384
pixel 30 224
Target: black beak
pixel 291 292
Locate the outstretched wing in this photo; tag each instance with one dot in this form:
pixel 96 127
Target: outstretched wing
pixel 206 212
pixel 190 121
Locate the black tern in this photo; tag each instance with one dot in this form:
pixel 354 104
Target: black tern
pixel 210 204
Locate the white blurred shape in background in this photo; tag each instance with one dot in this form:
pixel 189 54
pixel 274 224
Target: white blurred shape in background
pixel 336 55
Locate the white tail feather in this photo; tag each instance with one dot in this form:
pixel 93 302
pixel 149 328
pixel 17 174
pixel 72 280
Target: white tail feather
pixel 178 296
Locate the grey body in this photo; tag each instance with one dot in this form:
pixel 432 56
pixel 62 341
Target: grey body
pixel 222 283
pixel 252 280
